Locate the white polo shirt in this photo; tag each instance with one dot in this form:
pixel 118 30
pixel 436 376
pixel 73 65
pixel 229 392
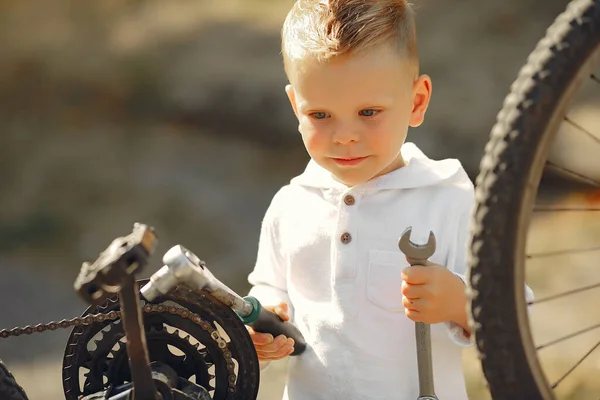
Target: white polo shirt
pixel 332 253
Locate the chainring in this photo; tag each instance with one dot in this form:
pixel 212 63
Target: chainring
pixel 110 361
pixel 96 358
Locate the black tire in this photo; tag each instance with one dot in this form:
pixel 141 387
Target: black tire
pixel 506 189
pixel 9 388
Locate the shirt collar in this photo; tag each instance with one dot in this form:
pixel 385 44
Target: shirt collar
pixel 420 171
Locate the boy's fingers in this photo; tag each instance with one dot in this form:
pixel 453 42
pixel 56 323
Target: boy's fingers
pixel 409 305
pixel 412 292
pixel 416 305
pixel 415 275
pixel 282 314
pixel 275 355
pixel 273 347
pixel 260 339
pixel 282 311
pixel 283 305
pixel 263 339
pixel 414 315
pixel 268 353
pixel 425 263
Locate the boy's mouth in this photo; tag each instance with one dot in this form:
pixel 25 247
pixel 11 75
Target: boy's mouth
pixel 349 160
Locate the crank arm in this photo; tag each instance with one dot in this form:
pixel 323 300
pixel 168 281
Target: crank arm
pixel 114 272
pixel 182 267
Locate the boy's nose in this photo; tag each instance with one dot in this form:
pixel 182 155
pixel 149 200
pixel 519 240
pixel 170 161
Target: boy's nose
pixel 345 134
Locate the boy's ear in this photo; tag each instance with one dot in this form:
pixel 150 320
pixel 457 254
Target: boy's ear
pixel 289 90
pixel 420 99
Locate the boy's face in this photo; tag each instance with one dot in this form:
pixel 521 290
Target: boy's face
pixel 354 111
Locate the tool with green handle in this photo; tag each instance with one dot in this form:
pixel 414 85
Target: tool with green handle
pixel 182 267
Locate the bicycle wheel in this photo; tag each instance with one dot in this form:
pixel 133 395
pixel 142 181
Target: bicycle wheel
pixel 533 117
pixel 9 388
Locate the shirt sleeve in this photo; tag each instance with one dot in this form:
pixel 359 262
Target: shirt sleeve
pixel 457 257
pixel 269 277
pixel 457 262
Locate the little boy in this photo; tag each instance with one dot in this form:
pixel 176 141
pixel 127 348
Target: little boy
pixel 329 241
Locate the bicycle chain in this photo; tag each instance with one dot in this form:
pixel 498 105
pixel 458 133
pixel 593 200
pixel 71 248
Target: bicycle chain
pixel 113 315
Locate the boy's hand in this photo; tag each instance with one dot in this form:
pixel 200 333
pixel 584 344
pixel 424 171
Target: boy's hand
pixel 267 347
pixel 432 294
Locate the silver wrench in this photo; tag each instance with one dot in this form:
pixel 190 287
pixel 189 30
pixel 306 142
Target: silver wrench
pixel 182 267
pixel 418 255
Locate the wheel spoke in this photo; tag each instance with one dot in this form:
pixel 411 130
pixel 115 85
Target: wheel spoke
pixel 575 366
pixel 563 294
pixel 573 174
pixel 562 252
pixel 569 336
pixel 563 209
pixel 582 129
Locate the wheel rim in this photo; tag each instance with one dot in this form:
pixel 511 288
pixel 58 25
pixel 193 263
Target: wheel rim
pixel 524 217
pixel 526 212
pixel 506 190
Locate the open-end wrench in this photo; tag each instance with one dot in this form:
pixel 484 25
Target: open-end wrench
pixel 417 254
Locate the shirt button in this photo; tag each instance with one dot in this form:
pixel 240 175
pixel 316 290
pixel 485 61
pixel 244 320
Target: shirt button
pixel 346 238
pixel 349 200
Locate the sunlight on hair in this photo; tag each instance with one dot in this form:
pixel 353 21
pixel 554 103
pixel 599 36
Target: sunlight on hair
pixel 323 29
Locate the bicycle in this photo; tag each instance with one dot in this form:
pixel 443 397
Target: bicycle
pixel 512 169
pixel 180 335
pixel 532 131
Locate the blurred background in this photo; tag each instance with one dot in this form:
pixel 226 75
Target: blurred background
pixel 173 113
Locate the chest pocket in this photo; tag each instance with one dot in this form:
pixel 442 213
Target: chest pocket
pixel 384 282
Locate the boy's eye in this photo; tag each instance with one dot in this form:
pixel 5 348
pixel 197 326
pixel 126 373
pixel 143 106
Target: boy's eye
pixel 319 115
pixel 368 113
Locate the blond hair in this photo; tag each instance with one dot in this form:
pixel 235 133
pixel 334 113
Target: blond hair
pixel 323 29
